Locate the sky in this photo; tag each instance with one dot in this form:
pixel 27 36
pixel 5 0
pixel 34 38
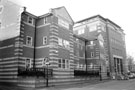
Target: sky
pixel 119 11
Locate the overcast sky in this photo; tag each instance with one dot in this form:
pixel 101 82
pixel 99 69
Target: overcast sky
pixel 119 11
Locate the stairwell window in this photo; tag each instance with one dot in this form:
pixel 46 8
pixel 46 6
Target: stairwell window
pixel 28 63
pixel 29 40
pixel 44 40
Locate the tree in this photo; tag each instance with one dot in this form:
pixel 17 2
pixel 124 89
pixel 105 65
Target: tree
pixel 131 62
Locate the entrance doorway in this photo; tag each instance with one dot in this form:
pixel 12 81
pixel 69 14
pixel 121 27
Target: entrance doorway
pixel 118 65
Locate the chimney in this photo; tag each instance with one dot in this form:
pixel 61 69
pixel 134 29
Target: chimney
pixel 24 8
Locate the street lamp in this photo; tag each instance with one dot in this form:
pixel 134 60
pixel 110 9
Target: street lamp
pixel 100 67
pixel 46 63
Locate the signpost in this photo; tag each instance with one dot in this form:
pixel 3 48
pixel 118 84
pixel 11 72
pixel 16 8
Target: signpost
pixel 45 64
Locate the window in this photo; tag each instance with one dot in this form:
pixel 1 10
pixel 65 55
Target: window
pixel 101 43
pixel 92 28
pixel 66 44
pixel 45 61
pixel 44 40
pixel 30 20
pixel 91 42
pixel 29 40
pixel 63 63
pixel 81 66
pixel 1 9
pixel 60 42
pixel 0 25
pixel 59 63
pixel 81 31
pixel 77 39
pixel 77 65
pixel 67 63
pixel 28 63
pixel 92 54
pixel 45 20
pixel 63 23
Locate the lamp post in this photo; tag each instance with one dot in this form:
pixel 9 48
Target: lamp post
pixel 47 76
pixel 47 63
pixel 100 67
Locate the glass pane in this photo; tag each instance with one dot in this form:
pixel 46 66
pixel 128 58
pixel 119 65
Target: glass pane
pixel 63 61
pixel 59 65
pixel 59 61
pixel 63 65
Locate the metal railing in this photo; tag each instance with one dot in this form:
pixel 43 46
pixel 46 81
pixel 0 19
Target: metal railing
pixel 38 72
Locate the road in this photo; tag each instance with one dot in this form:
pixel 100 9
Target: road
pixel 109 85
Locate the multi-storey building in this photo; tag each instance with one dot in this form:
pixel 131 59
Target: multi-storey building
pixel 28 42
pixel 36 39
pixel 109 51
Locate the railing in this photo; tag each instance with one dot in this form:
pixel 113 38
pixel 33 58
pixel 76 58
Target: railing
pixel 38 72
pixel 91 72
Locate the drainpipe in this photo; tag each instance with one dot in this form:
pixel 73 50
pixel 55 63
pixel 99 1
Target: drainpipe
pixel 34 57
pixel 100 67
pixel 109 51
pixel 86 56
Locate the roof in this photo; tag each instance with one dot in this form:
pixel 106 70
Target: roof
pixel 105 19
pixel 77 36
pixel 63 11
pixel 45 15
pixel 24 11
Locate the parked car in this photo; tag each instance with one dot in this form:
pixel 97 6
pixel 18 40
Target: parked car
pixel 131 75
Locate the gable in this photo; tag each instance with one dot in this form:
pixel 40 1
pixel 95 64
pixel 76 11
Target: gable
pixel 61 12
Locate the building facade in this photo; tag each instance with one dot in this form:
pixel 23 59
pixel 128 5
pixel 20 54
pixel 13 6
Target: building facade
pixel 29 42
pixel 109 51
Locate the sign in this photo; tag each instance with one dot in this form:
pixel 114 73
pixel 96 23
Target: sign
pixel 46 61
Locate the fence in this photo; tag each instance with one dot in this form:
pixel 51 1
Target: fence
pixel 90 72
pixel 38 72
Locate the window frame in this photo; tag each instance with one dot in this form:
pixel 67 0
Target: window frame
pixel 81 31
pixel 44 40
pixel 92 54
pixel 32 20
pixel 30 63
pixel 45 20
pixel 63 23
pixel 91 42
pixel 0 24
pixel 63 65
pixel 27 40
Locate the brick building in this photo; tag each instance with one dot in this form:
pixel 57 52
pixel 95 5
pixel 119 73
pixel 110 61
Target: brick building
pixel 27 42
pixel 109 52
